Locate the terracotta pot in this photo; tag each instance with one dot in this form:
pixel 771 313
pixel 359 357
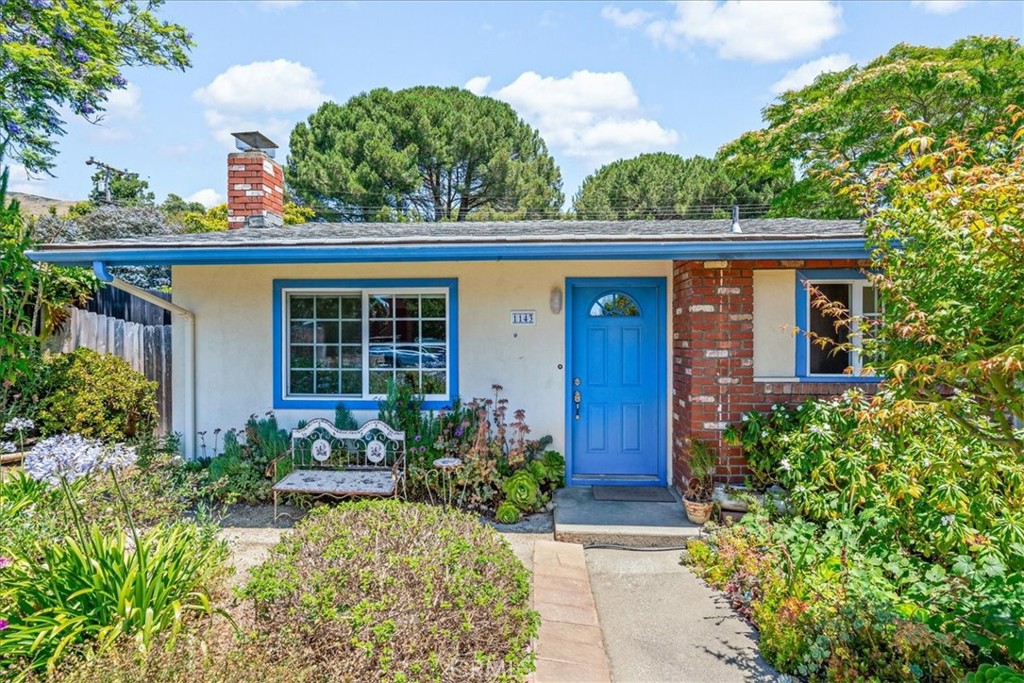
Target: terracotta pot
pixel 697 513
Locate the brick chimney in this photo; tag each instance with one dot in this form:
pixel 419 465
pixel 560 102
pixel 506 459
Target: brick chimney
pixel 255 183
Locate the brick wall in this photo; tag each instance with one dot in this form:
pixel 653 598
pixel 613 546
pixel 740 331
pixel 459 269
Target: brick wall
pixel 713 358
pixel 255 190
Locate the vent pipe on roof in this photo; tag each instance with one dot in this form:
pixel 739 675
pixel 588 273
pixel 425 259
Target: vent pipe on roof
pixel 736 219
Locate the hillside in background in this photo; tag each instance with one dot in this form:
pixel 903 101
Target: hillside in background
pixel 34 205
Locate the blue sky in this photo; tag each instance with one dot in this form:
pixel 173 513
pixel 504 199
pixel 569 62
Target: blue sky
pixel 601 80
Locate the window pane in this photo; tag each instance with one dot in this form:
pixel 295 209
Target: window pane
pixel 615 305
pixel 382 356
pixel 434 382
pixel 302 356
pixel 433 307
pixel 411 378
pixel 380 306
pixel 352 332
pixel 434 356
pixel 301 307
pixel 381 331
pixel 407 356
pixel 326 382
pixel 352 307
pixel 327 356
pixel 828 360
pixel 352 383
pixel 302 332
pixel 327 307
pixel 434 330
pixel 870 301
pixel 352 357
pixel 407 306
pixel 379 382
pixel 407 331
pixel 326 332
pixel 301 383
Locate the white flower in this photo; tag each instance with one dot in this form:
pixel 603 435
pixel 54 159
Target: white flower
pixel 71 456
pixel 948 519
pixel 876 444
pixel 926 463
pixel 745 418
pixel 764 433
pixel 784 464
pixel 820 430
pixel 19 424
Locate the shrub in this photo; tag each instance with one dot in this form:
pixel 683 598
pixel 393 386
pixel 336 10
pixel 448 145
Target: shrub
pixel 391 591
pixel 83 593
pixel 97 396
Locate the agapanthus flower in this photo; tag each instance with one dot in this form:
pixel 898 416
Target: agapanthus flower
pixel 7 447
pixel 19 424
pixel 72 456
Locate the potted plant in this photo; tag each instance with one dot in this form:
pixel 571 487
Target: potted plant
pixel 698 499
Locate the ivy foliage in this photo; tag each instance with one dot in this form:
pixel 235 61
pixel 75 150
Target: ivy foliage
pixel 69 56
pixel 424 153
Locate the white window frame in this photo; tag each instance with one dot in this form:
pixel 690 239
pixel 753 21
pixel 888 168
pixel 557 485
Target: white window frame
pixel 857 287
pixel 366 293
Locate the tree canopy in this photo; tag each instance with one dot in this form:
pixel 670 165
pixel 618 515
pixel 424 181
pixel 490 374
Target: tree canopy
pixel 68 56
pixel 424 153
pixel 662 185
pixel 841 118
pixel 126 189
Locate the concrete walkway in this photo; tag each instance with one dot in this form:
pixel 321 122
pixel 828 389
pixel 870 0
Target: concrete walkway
pixel 569 648
pixel 660 623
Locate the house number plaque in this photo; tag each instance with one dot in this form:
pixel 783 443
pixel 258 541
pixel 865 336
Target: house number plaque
pixel 524 317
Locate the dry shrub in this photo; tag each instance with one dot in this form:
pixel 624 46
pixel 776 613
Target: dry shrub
pixel 384 590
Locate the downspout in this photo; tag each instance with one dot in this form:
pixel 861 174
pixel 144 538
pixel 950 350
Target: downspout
pixel 104 275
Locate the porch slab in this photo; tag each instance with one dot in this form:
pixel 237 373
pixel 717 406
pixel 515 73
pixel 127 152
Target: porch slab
pixel 580 518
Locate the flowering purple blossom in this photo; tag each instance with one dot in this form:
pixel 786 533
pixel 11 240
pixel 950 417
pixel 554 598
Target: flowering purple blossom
pixel 40 4
pixel 7 447
pixel 81 56
pixel 5 562
pixel 418 438
pixel 423 449
pixel 3 624
pixel 71 456
pixel 119 81
pixel 458 431
pixel 87 109
pixel 19 424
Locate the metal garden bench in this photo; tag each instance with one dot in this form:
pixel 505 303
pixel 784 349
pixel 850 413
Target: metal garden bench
pixel 327 461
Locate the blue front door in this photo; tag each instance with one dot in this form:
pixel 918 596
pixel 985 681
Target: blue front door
pixel 616 381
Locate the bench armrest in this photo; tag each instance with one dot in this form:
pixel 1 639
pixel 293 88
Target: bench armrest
pixel 271 470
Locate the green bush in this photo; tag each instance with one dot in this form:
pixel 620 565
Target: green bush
pixel 97 396
pixel 79 595
pixel 393 591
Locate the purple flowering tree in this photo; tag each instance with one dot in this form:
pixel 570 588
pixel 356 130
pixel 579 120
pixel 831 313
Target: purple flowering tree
pixel 69 54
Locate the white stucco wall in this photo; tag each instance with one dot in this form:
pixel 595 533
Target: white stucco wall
pixel 234 356
pixel 774 320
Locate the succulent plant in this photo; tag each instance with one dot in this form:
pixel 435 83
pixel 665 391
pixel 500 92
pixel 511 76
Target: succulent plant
pixel 507 513
pixel 522 490
pixel 987 673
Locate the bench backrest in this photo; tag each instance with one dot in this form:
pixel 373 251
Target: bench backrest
pixel 320 445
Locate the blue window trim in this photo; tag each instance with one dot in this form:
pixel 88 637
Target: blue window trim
pixel 802 323
pixel 661 303
pixel 282 402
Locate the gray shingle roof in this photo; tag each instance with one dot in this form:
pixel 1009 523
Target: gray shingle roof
pixel 504 232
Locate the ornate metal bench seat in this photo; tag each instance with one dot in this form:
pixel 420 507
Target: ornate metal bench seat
pixel 327 461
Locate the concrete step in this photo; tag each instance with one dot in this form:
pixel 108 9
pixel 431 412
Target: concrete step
pixel 579 518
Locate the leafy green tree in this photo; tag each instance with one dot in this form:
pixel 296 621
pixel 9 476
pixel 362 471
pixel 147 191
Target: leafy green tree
pixel 174 205
pixel 663 186
pixel 424 153
pixel 126 189
pixel 946 226
pixel 68 55
pixel 840 119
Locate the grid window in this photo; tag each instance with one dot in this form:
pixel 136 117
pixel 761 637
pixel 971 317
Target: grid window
pixel 861 300
pixel 352 344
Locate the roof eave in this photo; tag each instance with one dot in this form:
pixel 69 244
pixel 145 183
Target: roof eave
pixel 155 255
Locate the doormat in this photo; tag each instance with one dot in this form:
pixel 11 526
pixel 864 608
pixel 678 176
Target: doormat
pixel 633 494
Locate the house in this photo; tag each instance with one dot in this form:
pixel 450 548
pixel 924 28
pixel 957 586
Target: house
pixel 620 339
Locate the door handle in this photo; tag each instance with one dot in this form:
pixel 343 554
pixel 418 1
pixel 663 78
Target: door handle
pixel 576 398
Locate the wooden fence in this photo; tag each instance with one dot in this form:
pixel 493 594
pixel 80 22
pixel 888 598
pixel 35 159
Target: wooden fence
pixel 147 348
pixel 119 304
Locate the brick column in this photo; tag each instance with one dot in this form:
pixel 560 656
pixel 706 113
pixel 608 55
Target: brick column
pixel 255 190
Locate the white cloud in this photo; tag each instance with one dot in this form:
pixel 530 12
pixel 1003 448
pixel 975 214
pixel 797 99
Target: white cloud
pixel 806 73
pixel 126 102
pixel 741 29
pixel 588 115
pixel 207 197
pixel 940 6
pixel 630 19
pixel 478 84
pixel 250 97
pixel 19 180
pixel 279 85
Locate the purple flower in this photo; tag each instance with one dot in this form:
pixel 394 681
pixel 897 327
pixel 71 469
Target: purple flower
pixel 3 624
pixel 458 431
pixel 62 31
pixel 423 449
pixel 40 4
pixel 88 109
pixel 13 128
pixel 418 438
pixel 119 80
pixel 5 562
pixel 81 56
